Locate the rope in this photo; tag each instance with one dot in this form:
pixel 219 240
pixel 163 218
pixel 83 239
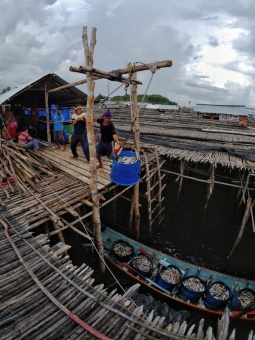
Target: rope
pixel 153 69
pixel 118 74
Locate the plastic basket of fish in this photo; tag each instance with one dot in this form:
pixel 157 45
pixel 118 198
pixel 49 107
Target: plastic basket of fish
pixel 123 251
pixel 242 299
pixel 217 294
pixel 126 168
pixel 191 288
pixel 169 277
pixel 143 264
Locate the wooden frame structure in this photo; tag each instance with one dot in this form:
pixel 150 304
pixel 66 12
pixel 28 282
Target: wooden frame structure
pixel 92 75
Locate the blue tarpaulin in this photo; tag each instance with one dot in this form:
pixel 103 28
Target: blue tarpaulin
pixel 42 113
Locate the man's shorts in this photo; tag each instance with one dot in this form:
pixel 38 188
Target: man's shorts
pixel 105 149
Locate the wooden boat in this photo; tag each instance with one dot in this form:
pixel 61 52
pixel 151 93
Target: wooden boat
pixel 125 253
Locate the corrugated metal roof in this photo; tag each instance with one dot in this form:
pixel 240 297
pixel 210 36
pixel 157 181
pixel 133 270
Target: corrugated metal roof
pixel 34 92
pixel 162 107
pixel 251 111
pixel 235 110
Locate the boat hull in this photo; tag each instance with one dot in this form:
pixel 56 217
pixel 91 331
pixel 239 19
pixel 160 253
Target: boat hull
pixel 159 259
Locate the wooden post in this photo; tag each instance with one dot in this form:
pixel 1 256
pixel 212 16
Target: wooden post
pixel 135 119
pixel 244 222
pixel 93 74
pixel 47 116
pixel 89 59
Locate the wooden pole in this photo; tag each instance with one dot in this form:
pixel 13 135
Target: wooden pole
pixel 68 85
pixel 135 119
pixel 95 197
pixel 47 116
pixel 245 219
pixel 142 67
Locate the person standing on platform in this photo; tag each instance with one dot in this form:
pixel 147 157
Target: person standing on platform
pixel 105 147
pixel 79 133
pixel 57 119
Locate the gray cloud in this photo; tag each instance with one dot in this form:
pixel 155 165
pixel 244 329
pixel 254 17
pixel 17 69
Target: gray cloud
pixel 46 36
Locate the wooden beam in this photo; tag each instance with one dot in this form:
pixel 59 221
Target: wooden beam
pixel 128 70
pixel 68 85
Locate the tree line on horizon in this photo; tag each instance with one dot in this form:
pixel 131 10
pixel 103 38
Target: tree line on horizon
pixel 5 90
pixel 150 98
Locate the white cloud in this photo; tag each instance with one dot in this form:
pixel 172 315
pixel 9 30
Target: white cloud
pixel 212 45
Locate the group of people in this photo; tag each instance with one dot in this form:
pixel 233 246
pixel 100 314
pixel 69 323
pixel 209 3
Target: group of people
pixel 105 146
pixel 11 130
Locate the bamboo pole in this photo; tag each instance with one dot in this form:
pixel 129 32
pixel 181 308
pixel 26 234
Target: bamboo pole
pixel 148 194
pixel 47 116
pixel 95 197
pixel 160 178
pixel 134 69
pixel 68 85
pixel 131 213
pixel 204 180
pixel 210 185
pixel 245 219
pixel 135 119
pixel 98 74
pixel 57 227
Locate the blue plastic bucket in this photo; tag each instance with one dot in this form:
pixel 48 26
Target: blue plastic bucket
pixel 125 174
pixel 237 300
pixel 169 277
pixel 191 288
pixel 142 264
pixel 211 301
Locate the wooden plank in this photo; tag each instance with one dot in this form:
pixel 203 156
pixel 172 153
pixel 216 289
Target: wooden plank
pixel 78 169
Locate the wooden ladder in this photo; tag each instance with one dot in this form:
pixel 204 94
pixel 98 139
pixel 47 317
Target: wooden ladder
pixel 155 189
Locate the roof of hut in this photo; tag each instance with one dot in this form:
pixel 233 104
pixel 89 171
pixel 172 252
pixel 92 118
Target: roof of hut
pixel 34 92
pixel 235 110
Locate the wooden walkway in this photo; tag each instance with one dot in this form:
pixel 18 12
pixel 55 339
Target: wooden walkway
pixel 78 168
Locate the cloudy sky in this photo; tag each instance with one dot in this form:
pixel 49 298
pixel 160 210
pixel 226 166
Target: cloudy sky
pixel 211 45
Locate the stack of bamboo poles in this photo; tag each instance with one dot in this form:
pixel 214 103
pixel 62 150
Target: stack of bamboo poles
pixel 19 167
pixel 43 295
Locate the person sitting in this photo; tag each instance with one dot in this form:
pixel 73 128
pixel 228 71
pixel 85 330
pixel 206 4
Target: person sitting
pixel 26 140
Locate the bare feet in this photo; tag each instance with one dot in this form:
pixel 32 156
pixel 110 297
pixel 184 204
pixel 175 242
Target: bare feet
pixel 99 166
pixel 74 157
pixel 63 149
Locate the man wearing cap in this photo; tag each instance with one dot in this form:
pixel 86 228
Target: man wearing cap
pixel 80 133
pixel 105 146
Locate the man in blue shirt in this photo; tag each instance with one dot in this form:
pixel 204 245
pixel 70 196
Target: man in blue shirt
pixel 57 119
